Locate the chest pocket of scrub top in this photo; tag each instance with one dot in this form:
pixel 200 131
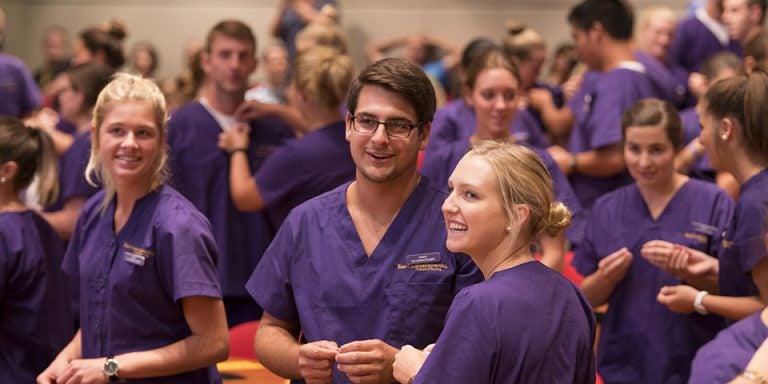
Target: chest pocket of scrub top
pixel 418 302
pixel 702 237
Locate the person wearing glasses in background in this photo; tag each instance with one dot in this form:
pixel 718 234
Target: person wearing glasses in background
pixel 363 269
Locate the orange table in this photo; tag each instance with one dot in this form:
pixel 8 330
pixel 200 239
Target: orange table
pixel 244 371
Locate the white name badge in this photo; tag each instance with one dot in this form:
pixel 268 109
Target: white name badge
pixel 134 259
pixel 424 258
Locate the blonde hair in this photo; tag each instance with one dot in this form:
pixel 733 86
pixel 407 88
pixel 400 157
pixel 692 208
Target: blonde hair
pixel 659 12
pixel 323 75
pixel 650 14
pixel 524 179
pixel 126 87
pixel 521 41
pixel 324 31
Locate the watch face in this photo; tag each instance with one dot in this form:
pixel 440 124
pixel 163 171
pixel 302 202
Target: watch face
pixel 110 367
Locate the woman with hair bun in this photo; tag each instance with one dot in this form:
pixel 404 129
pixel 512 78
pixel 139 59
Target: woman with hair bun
pixel 102 44
pixel 525 323
pixel 492 91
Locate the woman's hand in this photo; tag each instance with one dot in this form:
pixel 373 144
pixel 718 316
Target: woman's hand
pixel 678 298
pixel 234 138
pixel 678 260
pixel 615 266
pixel 408 362
pixel 253 110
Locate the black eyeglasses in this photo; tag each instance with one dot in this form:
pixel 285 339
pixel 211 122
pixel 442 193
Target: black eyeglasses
pixel 368 125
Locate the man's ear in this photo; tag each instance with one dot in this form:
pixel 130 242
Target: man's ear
pixel 596 32
pixel 348 121
pixel 424 132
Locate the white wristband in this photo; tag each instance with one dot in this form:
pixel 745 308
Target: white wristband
pixel 698 304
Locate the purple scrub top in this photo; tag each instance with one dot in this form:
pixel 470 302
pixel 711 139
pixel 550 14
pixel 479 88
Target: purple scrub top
pixel 440 165
pixel 35 316
pixel 200 171
pixel 670 82
pixel 526 324
pixel 132 282
pixel 65 126
pixel 19 94
pixel 303 169
pixel 744 243
pixel 580 101
pixel 693 43
pixel 456 122
pixel 316 272
pixel 604 102
pixel 72 165
pixel 725 357
pixel 641 340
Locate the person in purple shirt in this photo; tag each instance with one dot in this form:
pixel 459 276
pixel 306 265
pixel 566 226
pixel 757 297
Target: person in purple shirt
pixel 700 36
pixel 455 121
pixel 199 168
pixel 19 95
pixel 734 135
pixel 340 270
pixel 655 32
pixel 36 318
pixel 493 91
pixel 448 125
pixel 525 323
pixel 593 159
pixel 291 17
pixel 632 233
pixel 84 83
pixel 306 167
pixel 151 307
pixel 738 355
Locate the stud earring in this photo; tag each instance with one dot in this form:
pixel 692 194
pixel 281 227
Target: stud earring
pixel 3 180
pixel 508 229
pixel 724 137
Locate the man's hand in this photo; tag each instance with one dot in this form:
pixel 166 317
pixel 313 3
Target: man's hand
pixel 316 360
pixel 367 361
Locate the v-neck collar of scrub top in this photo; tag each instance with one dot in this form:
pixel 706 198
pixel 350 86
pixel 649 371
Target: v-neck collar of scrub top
pixel 354 245
pixel 670 207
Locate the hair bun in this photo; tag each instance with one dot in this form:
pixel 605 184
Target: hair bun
pixel 116 28
pixel 329 14
pixel 559 219
pixel 515 27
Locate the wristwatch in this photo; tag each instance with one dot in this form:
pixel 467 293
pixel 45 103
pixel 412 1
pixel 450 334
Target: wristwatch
pixel 111 368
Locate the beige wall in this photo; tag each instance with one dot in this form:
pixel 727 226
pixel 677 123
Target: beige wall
pixel 169 23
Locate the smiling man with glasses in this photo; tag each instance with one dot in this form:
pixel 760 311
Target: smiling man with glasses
pixel 363 270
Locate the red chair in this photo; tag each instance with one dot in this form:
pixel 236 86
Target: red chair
pixel 241 340
pixel 569 271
